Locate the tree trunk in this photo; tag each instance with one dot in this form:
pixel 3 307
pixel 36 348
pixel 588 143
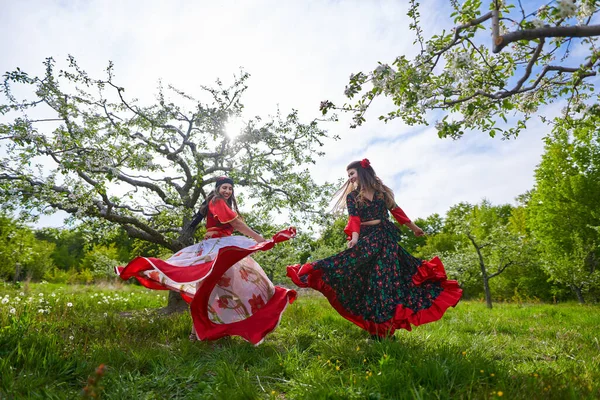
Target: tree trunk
pixel 176 304
pixel 488 293
pixel 17 272
pixel 578 293
pixel 484 274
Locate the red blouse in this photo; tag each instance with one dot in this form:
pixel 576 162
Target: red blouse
pixel 218 218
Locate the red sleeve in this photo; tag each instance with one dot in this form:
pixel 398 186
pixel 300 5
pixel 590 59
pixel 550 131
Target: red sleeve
pixel 221 211
pixel 353 220
pixel 353 225
pixel 399 215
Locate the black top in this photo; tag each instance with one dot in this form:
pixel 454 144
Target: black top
pixel 367 210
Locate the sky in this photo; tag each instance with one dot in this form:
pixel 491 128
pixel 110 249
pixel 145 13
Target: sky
pixel 298 53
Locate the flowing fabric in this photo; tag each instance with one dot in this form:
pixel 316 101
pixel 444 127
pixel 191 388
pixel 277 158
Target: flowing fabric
pixel 377 284
pixel 228 292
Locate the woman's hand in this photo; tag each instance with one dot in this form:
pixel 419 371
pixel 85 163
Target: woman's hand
pixel 259 239
pixel 209 235
pixel 416 230
pixel 352 242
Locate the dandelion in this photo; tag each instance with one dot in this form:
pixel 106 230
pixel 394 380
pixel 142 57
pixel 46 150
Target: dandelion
pixel 535 375
pixel 106 315
pixel 492 374
pixel 21 294
pixel 71 337
pixel 337 367
pixel 69 304
pixel 464 353
pixel 41 311
pixel 12 310
pixel 481 371
pixel 41 294
pixel 357 348
pixel 5 300
pixel 500 394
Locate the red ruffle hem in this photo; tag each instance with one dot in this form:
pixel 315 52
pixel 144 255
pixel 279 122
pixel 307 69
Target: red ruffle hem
pixel 255 327
pixel 432 270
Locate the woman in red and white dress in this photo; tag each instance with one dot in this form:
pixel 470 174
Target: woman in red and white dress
pixel 228 292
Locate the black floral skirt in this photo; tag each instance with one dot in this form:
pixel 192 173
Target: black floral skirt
pixel 378 285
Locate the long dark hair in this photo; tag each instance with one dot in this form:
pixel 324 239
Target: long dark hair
pixel 213 196
pixel 367 181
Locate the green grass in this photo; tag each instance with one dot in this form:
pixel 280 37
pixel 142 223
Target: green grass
pixel 527 351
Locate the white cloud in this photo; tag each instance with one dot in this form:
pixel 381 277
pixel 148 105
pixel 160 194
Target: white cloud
pixel 298 54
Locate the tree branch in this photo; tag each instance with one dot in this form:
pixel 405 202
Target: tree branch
pixel 545 32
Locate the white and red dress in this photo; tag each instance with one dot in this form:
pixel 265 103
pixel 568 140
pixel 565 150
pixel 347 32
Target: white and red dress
pixel 228 292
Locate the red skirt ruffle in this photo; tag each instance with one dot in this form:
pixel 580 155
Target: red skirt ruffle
pixel 433 270
pixel 254 328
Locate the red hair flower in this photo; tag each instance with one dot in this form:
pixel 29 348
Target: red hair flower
pixel 365 163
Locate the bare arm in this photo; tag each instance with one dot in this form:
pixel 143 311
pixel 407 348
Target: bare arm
pixel 416 230
pixel 244 229
pixel 354 240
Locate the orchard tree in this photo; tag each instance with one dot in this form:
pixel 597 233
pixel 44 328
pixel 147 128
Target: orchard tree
pixel 85 146
pixel 22 255
pixel 502 59
pixel 490 245
pixel 564 215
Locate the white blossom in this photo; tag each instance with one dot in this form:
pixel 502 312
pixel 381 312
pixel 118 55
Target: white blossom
pixel 5 300
pixel 542 9
pixel 566 8
pixel 12 310
pixel 69 304
pixel 71 337
pixel 587 9
pixel 538 23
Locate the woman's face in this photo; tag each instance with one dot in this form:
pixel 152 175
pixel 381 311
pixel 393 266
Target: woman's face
pixel 226 190
pixel 353 175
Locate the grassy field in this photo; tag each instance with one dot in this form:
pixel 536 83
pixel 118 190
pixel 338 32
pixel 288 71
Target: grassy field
pixel 52 338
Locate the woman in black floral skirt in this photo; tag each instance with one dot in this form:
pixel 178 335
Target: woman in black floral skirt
pixel 375 283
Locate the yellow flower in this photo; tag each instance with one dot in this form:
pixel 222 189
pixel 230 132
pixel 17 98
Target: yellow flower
pixel 492 374
pixel 357 348
pixel 481 371
pixel 273 392
pixel 464 353
pixel 364 360
pixel 337 367
pixel 536 375
pixel 500 394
